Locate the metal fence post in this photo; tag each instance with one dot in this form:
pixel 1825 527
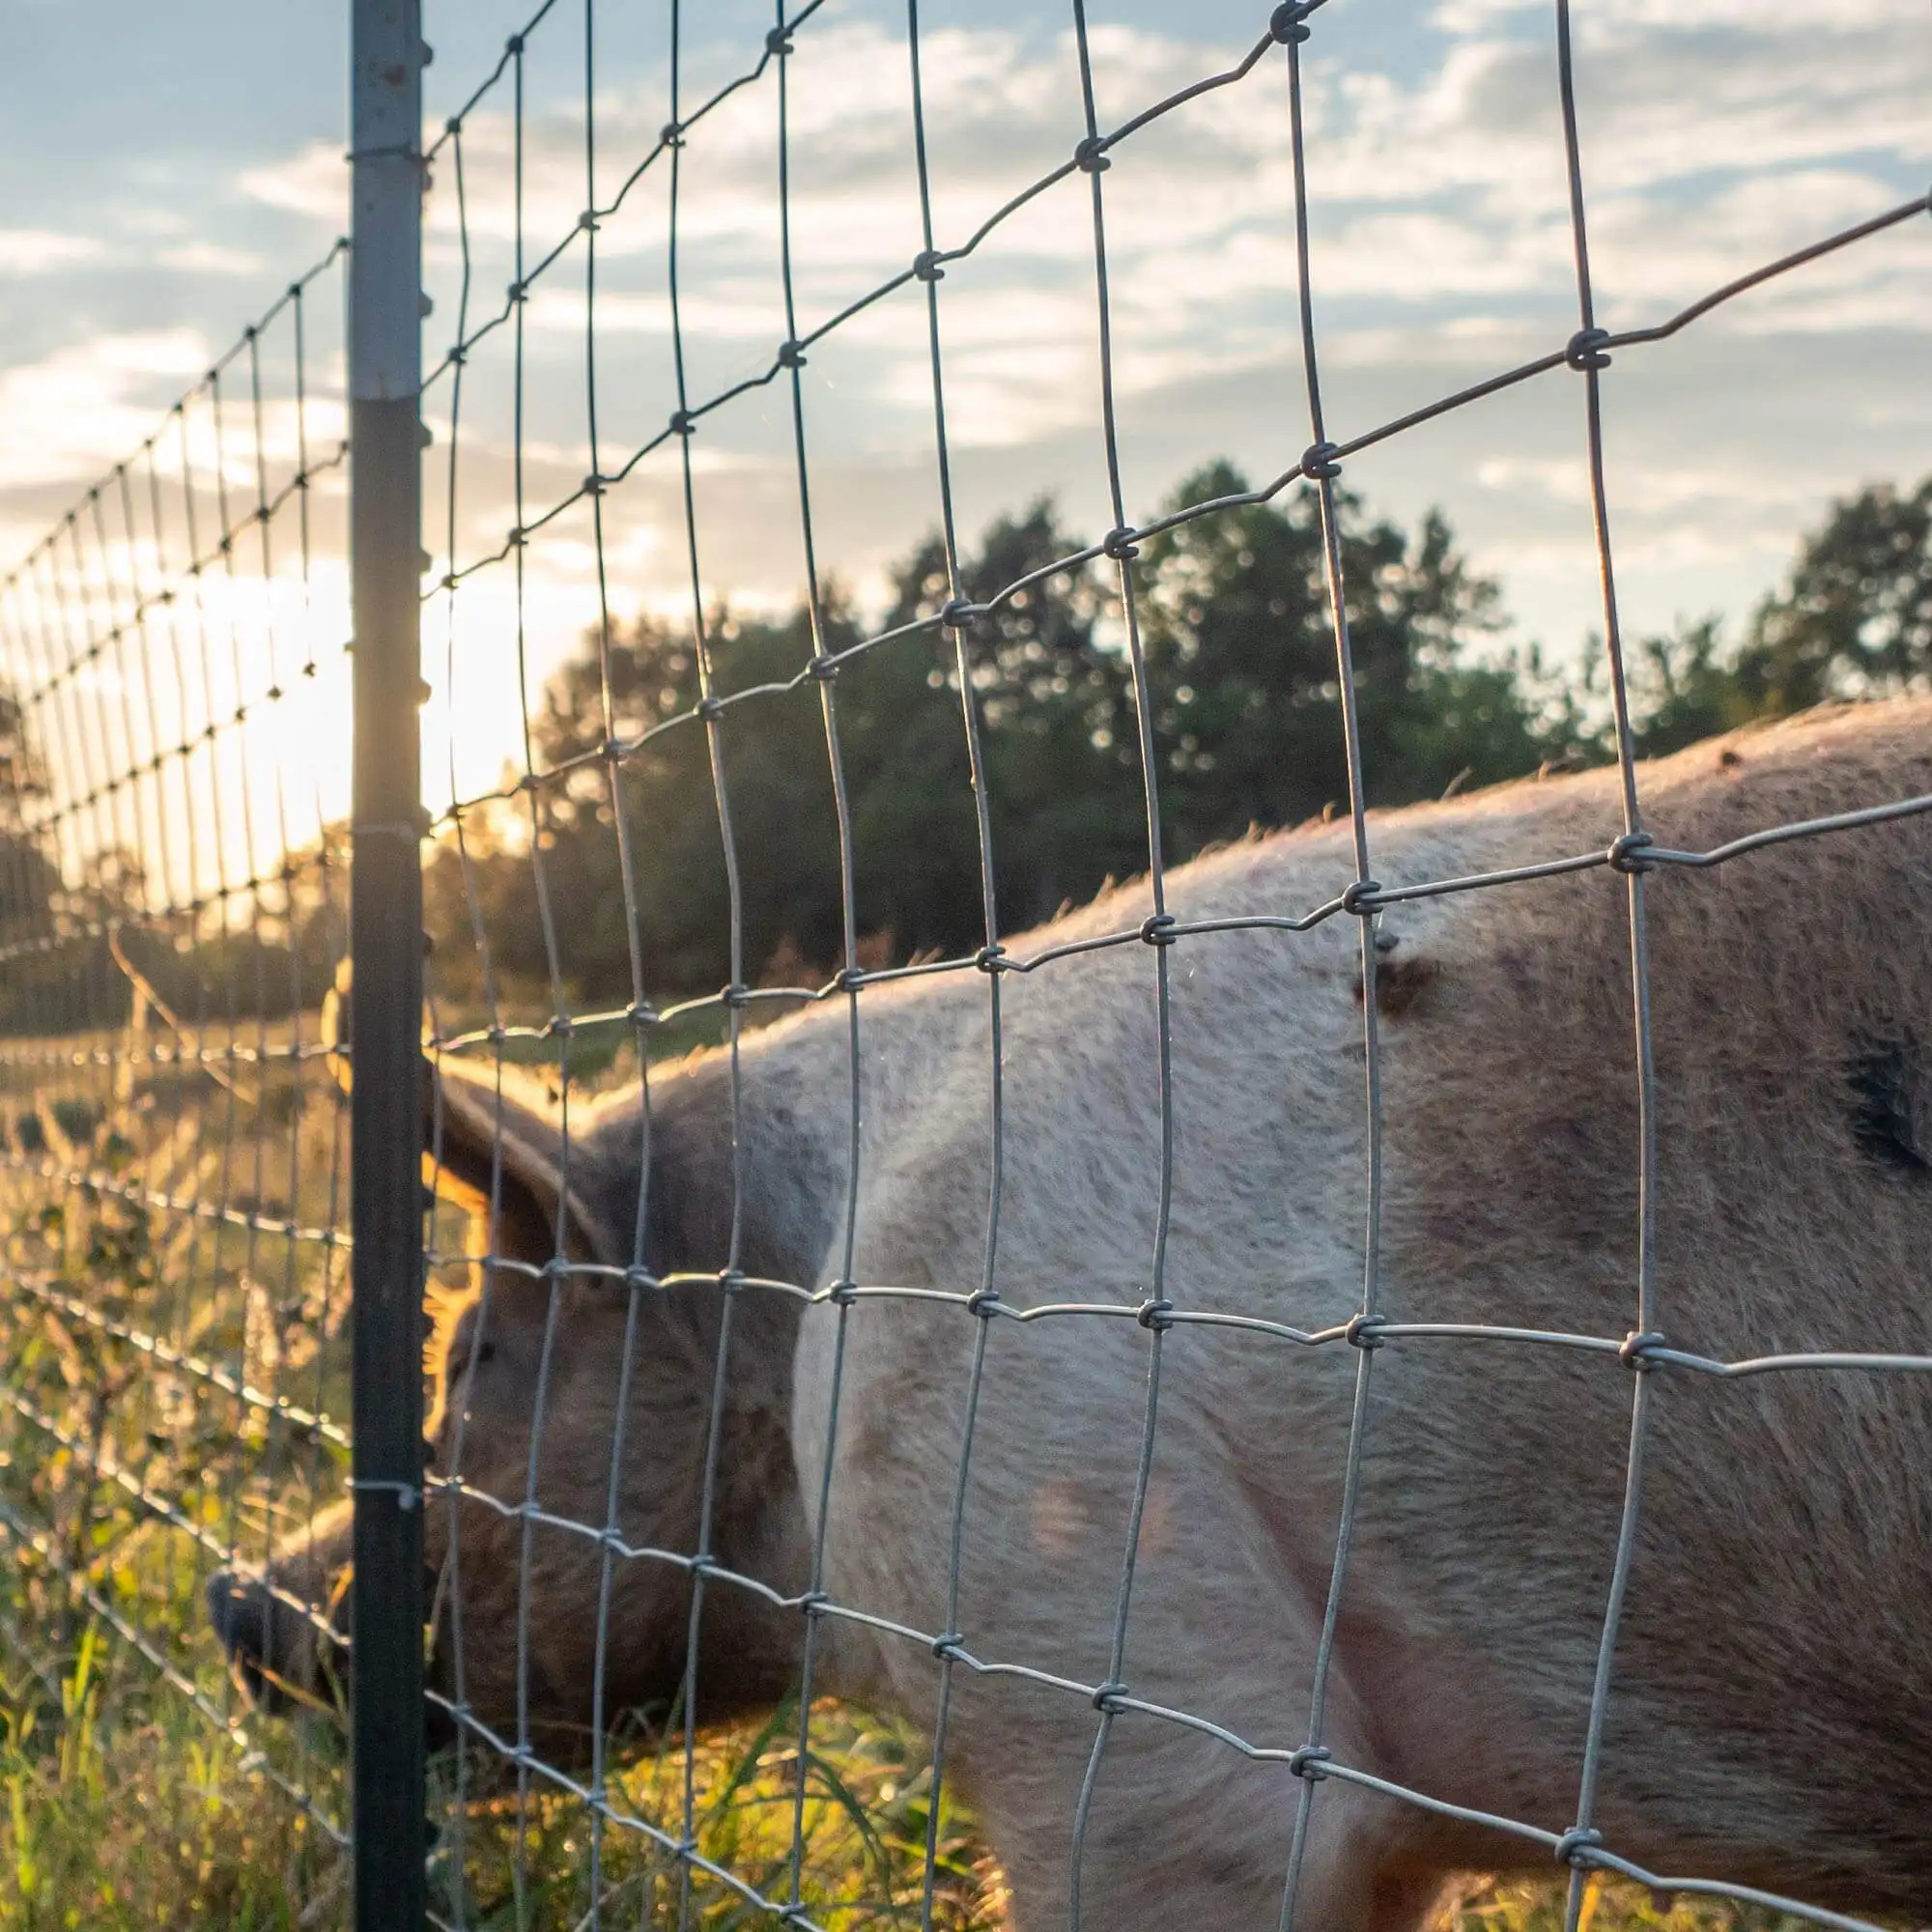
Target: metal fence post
pixel 385 942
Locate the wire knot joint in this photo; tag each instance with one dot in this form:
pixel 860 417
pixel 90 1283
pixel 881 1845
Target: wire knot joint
pixel 1155 1315
pixel 1575 1846
pixel 778 43
pixel 926 266
pixel 1639 1350
pixel 1289 22
pixel 1358 896
pixel 1585 349
pixel 1626 854
pixel 1091 156
pixel 1319 462
pixel 1118 543
pixel 1364 1330
pixel 1307 1762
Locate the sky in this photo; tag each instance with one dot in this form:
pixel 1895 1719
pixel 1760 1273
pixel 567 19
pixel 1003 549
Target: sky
pixel 168 169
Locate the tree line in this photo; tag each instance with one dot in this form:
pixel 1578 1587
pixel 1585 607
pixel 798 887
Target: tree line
pixel 1242 710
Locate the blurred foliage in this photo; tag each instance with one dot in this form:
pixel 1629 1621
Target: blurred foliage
pixel 1243 707
pixel 633 898
pixel 1854 619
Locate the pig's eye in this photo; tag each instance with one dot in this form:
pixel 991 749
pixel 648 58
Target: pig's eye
pixel 464 1355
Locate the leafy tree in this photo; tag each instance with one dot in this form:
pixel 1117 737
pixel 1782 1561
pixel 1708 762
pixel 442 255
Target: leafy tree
pixel 31 896
pixel 1241 662
pixel 1854 619
pixel 1047 693
pixel 552 869
pixel 1684 688
pixel 29 878
pixel 1244 708
pixel 1054 703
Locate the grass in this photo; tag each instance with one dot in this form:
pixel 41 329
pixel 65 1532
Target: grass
pixel 146 1342
pixel 125 1810
pixel 139 1789
pixel 866 1814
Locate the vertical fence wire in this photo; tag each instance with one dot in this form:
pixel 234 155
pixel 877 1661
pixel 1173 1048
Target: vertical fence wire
pixel 780 45
pixel 1587 356
pixel 1156 1311
pixel 1320 465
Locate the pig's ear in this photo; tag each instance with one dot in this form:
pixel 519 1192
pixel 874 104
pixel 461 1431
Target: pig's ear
pixel 490 1135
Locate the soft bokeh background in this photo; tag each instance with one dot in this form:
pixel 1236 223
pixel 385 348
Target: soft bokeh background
pixel 169 168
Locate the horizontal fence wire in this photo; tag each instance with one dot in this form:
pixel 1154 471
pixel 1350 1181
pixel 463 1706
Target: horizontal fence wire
pixel 173 679
pixel 495 1031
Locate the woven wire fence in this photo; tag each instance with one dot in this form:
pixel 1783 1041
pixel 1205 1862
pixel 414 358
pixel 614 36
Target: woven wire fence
pixel 675 1832
pixel 175 1162
pixel 172 1182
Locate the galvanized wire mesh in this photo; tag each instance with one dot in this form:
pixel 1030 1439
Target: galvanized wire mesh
pixel 174 1392
pixel 1276 60
pixel 172 1369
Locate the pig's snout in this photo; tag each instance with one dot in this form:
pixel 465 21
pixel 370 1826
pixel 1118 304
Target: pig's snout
pixel 283 1655
pixel 244 1616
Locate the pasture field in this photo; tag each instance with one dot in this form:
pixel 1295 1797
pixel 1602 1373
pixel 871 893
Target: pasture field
pixel 175 1391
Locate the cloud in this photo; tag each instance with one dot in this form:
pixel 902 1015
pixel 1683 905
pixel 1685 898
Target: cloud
pixel 1444 187
pixel 33 251
pixel 1716 136
pixel 209 258
pixel 314 181
pixel 85 406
